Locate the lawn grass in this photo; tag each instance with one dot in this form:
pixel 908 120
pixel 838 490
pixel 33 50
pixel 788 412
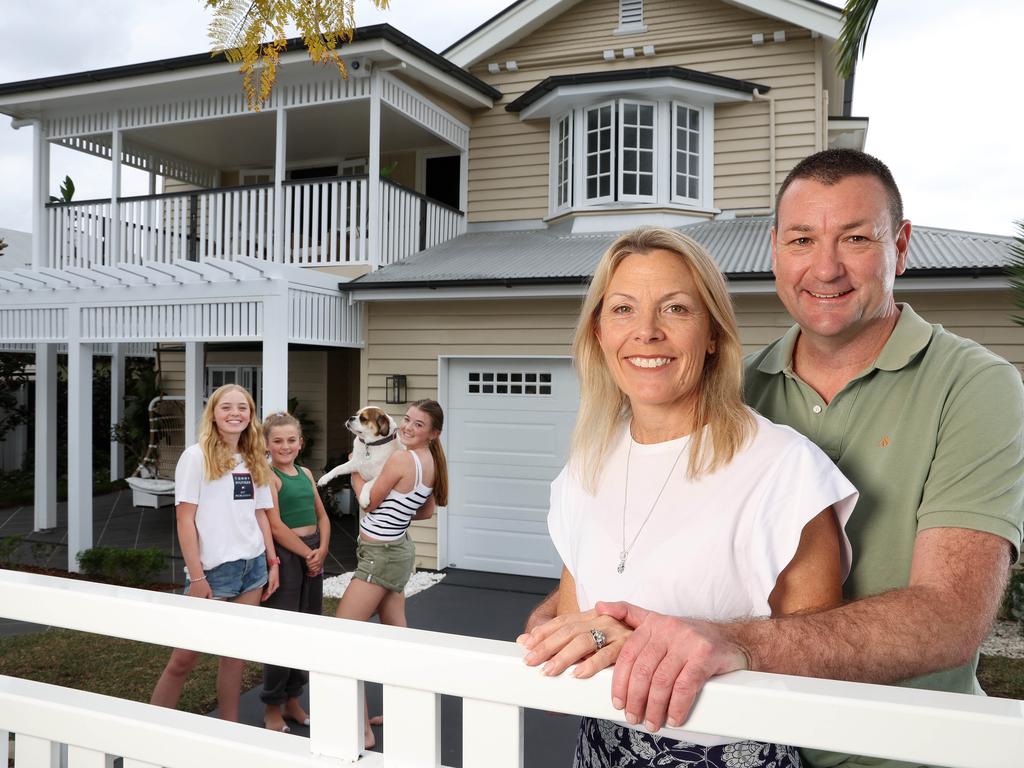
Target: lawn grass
pixel 109 665
pixel 1002 677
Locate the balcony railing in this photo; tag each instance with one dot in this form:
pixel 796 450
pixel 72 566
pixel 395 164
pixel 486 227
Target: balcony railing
pixel 324 222
pixel 416 667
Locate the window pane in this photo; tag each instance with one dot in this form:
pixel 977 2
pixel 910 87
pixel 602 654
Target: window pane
pixel 646 185
pixel 629 111
pixel 647 114
pixel 629 185
pixel 693 188
pixel 647 139
pixel 647 162
pixel 591 188
pixel 629 161
pixel 693 142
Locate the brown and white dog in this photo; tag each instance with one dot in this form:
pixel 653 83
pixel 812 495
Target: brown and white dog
pixel 376 439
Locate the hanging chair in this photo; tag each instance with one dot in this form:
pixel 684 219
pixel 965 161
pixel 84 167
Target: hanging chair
pixel 152 483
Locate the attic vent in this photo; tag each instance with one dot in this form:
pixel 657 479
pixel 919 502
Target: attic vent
pixel 631 17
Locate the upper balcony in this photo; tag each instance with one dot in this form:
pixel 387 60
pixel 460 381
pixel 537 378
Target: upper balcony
pixel 346 174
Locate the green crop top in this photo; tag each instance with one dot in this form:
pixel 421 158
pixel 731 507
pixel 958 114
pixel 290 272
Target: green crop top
pixel 295 499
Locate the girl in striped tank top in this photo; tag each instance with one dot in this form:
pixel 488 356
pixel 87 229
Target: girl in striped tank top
pixel 412 484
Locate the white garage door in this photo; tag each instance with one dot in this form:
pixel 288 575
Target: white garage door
pixel 511 422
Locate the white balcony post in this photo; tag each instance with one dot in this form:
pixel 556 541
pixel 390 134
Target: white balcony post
pixel 195 375
pixel 275 351
pixel 373 183
pixel 280 163
pixel 114 233
pixel 40 196
pixel 341 736
pixel 80 385
pixel 46 437
pixel 117 370
pixel 149 249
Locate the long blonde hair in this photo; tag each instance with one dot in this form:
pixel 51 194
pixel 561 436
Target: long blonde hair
pixel 218 459
pixel 433 409
pixel 604 407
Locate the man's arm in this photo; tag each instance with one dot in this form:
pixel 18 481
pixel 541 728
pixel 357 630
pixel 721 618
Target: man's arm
pixel 544 612
pixel 936 622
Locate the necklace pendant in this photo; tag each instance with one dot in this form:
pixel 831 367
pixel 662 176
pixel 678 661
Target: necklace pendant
pixel 622 562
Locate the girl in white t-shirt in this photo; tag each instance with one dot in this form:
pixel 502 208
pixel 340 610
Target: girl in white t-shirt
pixel 222 492
pixel 677 497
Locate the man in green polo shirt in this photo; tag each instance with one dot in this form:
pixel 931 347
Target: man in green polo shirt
pixel 927 426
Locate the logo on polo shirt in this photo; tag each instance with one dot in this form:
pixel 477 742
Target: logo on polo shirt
pixel 884 442
pixel 243 486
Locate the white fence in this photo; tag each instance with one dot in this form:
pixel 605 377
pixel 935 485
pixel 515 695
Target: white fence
pixel 416 667
pixel 324 222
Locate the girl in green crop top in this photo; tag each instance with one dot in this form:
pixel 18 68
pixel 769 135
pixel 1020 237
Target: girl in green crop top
pixel 302 532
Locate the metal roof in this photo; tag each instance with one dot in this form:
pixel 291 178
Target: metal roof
pixel 373 32
pixel 741 247
pixel 546 86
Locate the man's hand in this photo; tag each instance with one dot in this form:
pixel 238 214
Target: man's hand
pixel 665 662
pixel 565 640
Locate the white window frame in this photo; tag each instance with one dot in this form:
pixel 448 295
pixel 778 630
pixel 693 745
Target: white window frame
pixel 568 161
pixel 674 108
pixel 612 153
pixel 664 159
pixel 621 148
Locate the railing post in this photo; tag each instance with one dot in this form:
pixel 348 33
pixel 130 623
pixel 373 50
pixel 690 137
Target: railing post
pixel 340 735
pixel 279 173
pixel 41 256
pixel 193 235
pixel 113 250
pixel 375 186
pixel 423 224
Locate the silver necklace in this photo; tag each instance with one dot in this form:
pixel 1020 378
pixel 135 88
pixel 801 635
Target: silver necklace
pixel 624 552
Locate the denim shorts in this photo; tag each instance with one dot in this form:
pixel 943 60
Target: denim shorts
pixel 387 563
pixel 235 577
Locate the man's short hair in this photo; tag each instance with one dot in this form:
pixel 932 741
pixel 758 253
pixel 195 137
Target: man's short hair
pixel 833 165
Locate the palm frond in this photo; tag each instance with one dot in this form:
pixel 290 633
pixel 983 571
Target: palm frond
pixel 853 38
pixel 1015 269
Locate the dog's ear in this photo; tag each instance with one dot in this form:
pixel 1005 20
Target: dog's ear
pixel 383 424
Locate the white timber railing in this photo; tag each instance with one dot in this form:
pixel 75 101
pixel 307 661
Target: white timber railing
pixel 415 668
pixel 324 223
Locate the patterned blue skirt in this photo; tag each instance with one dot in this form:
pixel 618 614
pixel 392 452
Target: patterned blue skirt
pixel 604 744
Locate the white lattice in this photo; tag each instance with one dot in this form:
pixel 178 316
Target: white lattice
pixel 235 320
pixel 33 324
pixel 429 115
pixel 322 317
pixel 325 222
pixel 99 146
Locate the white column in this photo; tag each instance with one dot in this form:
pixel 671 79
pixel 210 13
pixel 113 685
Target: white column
pixel 195 377
pixel 114 231
pixel 79 443
pixel 117 370
pixel 373 218
pixel 280 167
pixel 275 351
pixel 46 437
pixel 40 196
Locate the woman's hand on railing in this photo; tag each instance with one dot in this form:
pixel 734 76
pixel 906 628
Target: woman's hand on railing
pixel 572 638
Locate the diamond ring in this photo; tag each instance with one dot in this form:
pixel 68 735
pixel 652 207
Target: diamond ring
pixel 599 639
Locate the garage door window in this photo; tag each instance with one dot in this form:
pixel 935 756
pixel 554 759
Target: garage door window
pixel 524 383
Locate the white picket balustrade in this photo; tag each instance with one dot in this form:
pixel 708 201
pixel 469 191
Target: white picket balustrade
pixel 415 667
pixel 325 222
pixel 411 222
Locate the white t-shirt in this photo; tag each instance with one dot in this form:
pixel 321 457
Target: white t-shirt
pixel 226 514
pixel 713 548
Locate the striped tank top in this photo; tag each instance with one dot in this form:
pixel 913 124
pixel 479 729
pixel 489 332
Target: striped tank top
pixel 390 520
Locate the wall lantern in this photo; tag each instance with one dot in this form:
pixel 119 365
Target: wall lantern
pixel 394 386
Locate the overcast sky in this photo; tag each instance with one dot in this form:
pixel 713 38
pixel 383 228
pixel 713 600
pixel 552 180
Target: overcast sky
pixel 940 83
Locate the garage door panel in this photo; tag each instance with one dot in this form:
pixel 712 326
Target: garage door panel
pixel 504 450
pixel 533 439
pixel 504 550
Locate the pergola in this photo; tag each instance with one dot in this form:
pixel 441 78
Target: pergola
pixel 188 302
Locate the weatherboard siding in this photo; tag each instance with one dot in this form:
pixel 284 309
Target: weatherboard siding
pixel 509 157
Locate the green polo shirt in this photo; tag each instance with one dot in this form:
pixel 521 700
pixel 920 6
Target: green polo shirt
pixel 931 436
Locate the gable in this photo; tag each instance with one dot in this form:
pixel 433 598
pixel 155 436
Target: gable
pixel 521 19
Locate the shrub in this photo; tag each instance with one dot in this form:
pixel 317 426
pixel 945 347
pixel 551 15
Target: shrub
pixel 132 567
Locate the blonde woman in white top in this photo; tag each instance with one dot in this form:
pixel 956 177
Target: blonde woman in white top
pixel 677 497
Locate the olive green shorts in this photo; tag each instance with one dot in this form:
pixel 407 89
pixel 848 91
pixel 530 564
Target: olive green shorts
pixel 388 563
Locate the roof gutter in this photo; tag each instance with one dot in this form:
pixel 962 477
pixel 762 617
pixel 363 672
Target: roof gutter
pixel 483 282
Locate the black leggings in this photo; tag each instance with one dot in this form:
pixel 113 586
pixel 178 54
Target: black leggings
pixel 298 592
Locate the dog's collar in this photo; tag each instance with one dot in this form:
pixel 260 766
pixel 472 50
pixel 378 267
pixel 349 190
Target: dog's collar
pixel 382 441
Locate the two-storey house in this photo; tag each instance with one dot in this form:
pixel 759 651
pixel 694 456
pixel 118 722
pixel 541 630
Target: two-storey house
pixel 426 228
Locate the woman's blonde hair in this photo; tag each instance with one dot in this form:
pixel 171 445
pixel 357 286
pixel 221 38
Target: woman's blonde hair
pixel 604 407
pixel 218 459
pixel 433 409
